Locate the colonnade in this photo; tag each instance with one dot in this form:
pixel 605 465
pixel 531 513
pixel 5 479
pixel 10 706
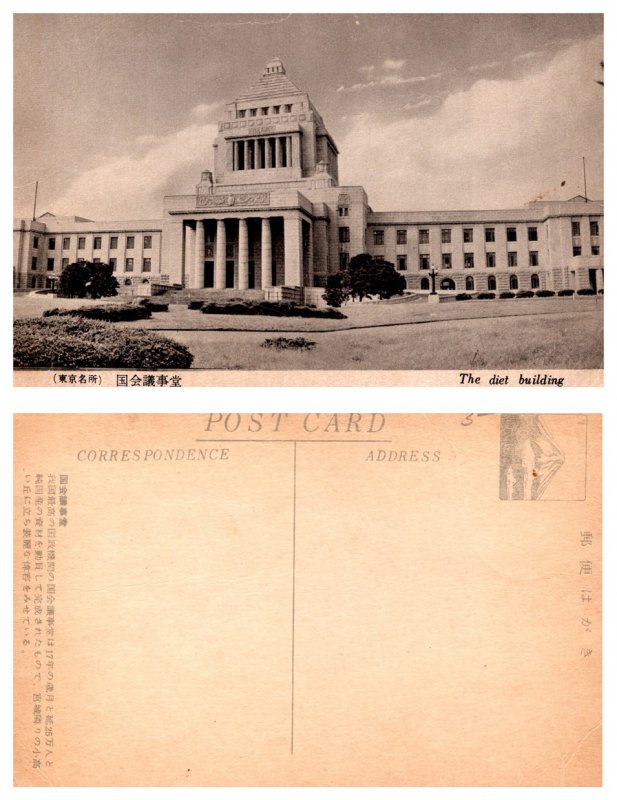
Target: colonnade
pixel 262 153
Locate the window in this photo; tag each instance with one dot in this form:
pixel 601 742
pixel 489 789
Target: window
pixel 264 111
pixel 489 234
pixel 50 264
pixel 425 261
pixel 147 265
pixel 468 261
pixel 147 242
pixel 81 243
pixel 379 259
pixel 535 281
pixel 33 263
pixel 513 282
pixel 401 262
pixel 229 254
pixel 423 236
pixel 446 260
pixel 532 234
pixel 276 109
pixel 468 235
pixel 533 258
pixel 512 259
pixel 209 251
pixel 576 250
pixel 66 243
pixel 343 211
pixel 469 283
pixel 97 243
pixel 511 234
pixel 52 243
pixel 343 260
pixel 401 237
pixel 65 262
pixel 492 283
pixel 35 242
pixel 594 227
pixel 242 113
pixel 378 238
pixel 130 242
pixel 576 227
pixel 128 264
pixel 343 235
pixel 446 235
pixel 96 260
pixel 490 259
pixel 252 112
pixel 113 263
pixel 113 242
pixel 425 284
pixel 287 108
pixel 595 249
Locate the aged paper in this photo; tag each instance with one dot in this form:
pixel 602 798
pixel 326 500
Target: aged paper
pixel 307 600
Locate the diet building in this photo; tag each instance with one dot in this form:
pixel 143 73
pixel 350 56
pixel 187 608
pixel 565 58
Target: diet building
pixel 270 215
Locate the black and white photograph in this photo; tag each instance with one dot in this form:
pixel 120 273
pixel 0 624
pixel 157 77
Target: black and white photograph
pixel 321 198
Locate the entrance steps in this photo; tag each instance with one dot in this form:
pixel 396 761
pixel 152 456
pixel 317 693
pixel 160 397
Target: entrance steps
pixel 184 296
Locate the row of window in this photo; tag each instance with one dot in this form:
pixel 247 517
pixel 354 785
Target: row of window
pixel 146 264
pixel 594 227
pixel 446 235
pixel 264 111
pixel 97 243
pixel 449 284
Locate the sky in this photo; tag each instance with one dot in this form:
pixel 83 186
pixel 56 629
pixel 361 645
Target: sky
pixel 431 111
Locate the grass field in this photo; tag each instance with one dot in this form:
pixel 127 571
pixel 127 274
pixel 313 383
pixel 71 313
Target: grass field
pixel 550 333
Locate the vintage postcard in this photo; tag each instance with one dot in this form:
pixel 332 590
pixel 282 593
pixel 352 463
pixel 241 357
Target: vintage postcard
pixel 307 600
pixel 352 199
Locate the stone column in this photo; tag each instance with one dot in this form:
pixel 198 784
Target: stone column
pixel 294 157
pixel 245 145
pixel 293 251
pixel 599 279
pixel 277 152
pixel 266 253
pixel 221 255
pixel 200 254
pixel 243 255
pixel 309 258
pixel 268 164
pixel 288 150
pixel 189 256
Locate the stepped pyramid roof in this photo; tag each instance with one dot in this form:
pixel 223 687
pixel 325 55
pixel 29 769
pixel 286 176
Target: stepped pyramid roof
pixel 272 83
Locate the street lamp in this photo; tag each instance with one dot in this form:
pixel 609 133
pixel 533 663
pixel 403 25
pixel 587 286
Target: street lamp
pixel 433 274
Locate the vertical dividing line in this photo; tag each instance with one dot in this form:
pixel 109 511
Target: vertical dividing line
pixel 293 602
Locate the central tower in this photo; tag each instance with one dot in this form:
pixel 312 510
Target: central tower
pixel 272 133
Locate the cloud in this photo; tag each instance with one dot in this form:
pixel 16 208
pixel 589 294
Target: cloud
pixel 389 80
pixel 485 65
pixel 131 186
pixel 204 110
pixel 497 143
pixel 394 64
pixel 368 69
pixel 526 56
pixel 426 101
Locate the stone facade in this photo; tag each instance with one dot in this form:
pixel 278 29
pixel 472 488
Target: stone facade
pixel 271 214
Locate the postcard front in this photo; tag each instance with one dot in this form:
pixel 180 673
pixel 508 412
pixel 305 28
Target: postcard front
pixel 306 600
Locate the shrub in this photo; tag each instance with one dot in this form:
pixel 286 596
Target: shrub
pixel 463 296
pixel 486 296
pixel 506 295
pixel 585 291
pixel 600 291
pixel 108 313
pixel 283 343
pixel 266 308
pixel 195 305
pixel 545 293
pixel 565 292
pixel 525 293
pixel 69 343
pixel 153 305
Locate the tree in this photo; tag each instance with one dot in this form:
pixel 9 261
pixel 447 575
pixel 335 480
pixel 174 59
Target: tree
pixel 87 279
pixel 364 277
pixel 336 293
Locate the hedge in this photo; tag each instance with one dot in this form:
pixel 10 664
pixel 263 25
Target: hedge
pixel 463 296
pixel 265 308
pixel 525 293
pixel 585 291
pixel 486 296
pixel 71 343
pixel 195 305
pixel 507 295
pixel 153 305
pixel 545 293
pixel 565 293
pixel 110 312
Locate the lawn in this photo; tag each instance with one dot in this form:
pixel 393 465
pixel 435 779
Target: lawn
pixel 547 333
